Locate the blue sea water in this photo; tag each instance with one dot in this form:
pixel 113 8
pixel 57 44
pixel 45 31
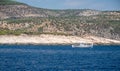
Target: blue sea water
pixel 59 58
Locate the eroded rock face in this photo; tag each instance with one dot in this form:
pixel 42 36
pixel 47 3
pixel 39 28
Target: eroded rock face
pixel 71 22
pixel 15 11
pixel 22 10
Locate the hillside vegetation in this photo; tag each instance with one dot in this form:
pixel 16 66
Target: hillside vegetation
pixel 17 18
pixel 9 2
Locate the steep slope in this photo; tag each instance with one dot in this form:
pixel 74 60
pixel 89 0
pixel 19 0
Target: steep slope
pixel 21 10
pixel 9 2
pixel 17 11
pixel 18 18
pixel 13 9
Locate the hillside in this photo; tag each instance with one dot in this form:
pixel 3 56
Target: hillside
pixel 18 18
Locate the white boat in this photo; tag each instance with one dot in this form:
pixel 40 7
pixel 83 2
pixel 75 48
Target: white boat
pixel 82 45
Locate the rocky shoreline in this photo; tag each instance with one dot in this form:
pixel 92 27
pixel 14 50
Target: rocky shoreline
pixel 45 39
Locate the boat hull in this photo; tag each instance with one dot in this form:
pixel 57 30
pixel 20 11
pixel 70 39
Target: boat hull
pixel 82 45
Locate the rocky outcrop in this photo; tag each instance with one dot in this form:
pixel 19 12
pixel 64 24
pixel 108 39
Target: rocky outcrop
pixel 80 22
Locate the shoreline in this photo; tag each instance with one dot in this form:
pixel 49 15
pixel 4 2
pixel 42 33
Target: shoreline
pixel 51 44
pixel 46 39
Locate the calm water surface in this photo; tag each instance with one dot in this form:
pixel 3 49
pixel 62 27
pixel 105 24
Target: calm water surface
pixel 59 58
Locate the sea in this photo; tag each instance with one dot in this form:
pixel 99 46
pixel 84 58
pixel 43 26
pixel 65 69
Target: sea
pixel 59 58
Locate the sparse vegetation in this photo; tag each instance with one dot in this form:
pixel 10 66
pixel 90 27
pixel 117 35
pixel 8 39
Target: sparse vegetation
pixel 9 2
pixel 23 19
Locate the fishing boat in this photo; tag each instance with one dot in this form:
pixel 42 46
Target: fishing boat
pixel 82 45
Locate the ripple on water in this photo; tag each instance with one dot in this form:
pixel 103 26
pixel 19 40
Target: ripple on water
pixel 46 57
